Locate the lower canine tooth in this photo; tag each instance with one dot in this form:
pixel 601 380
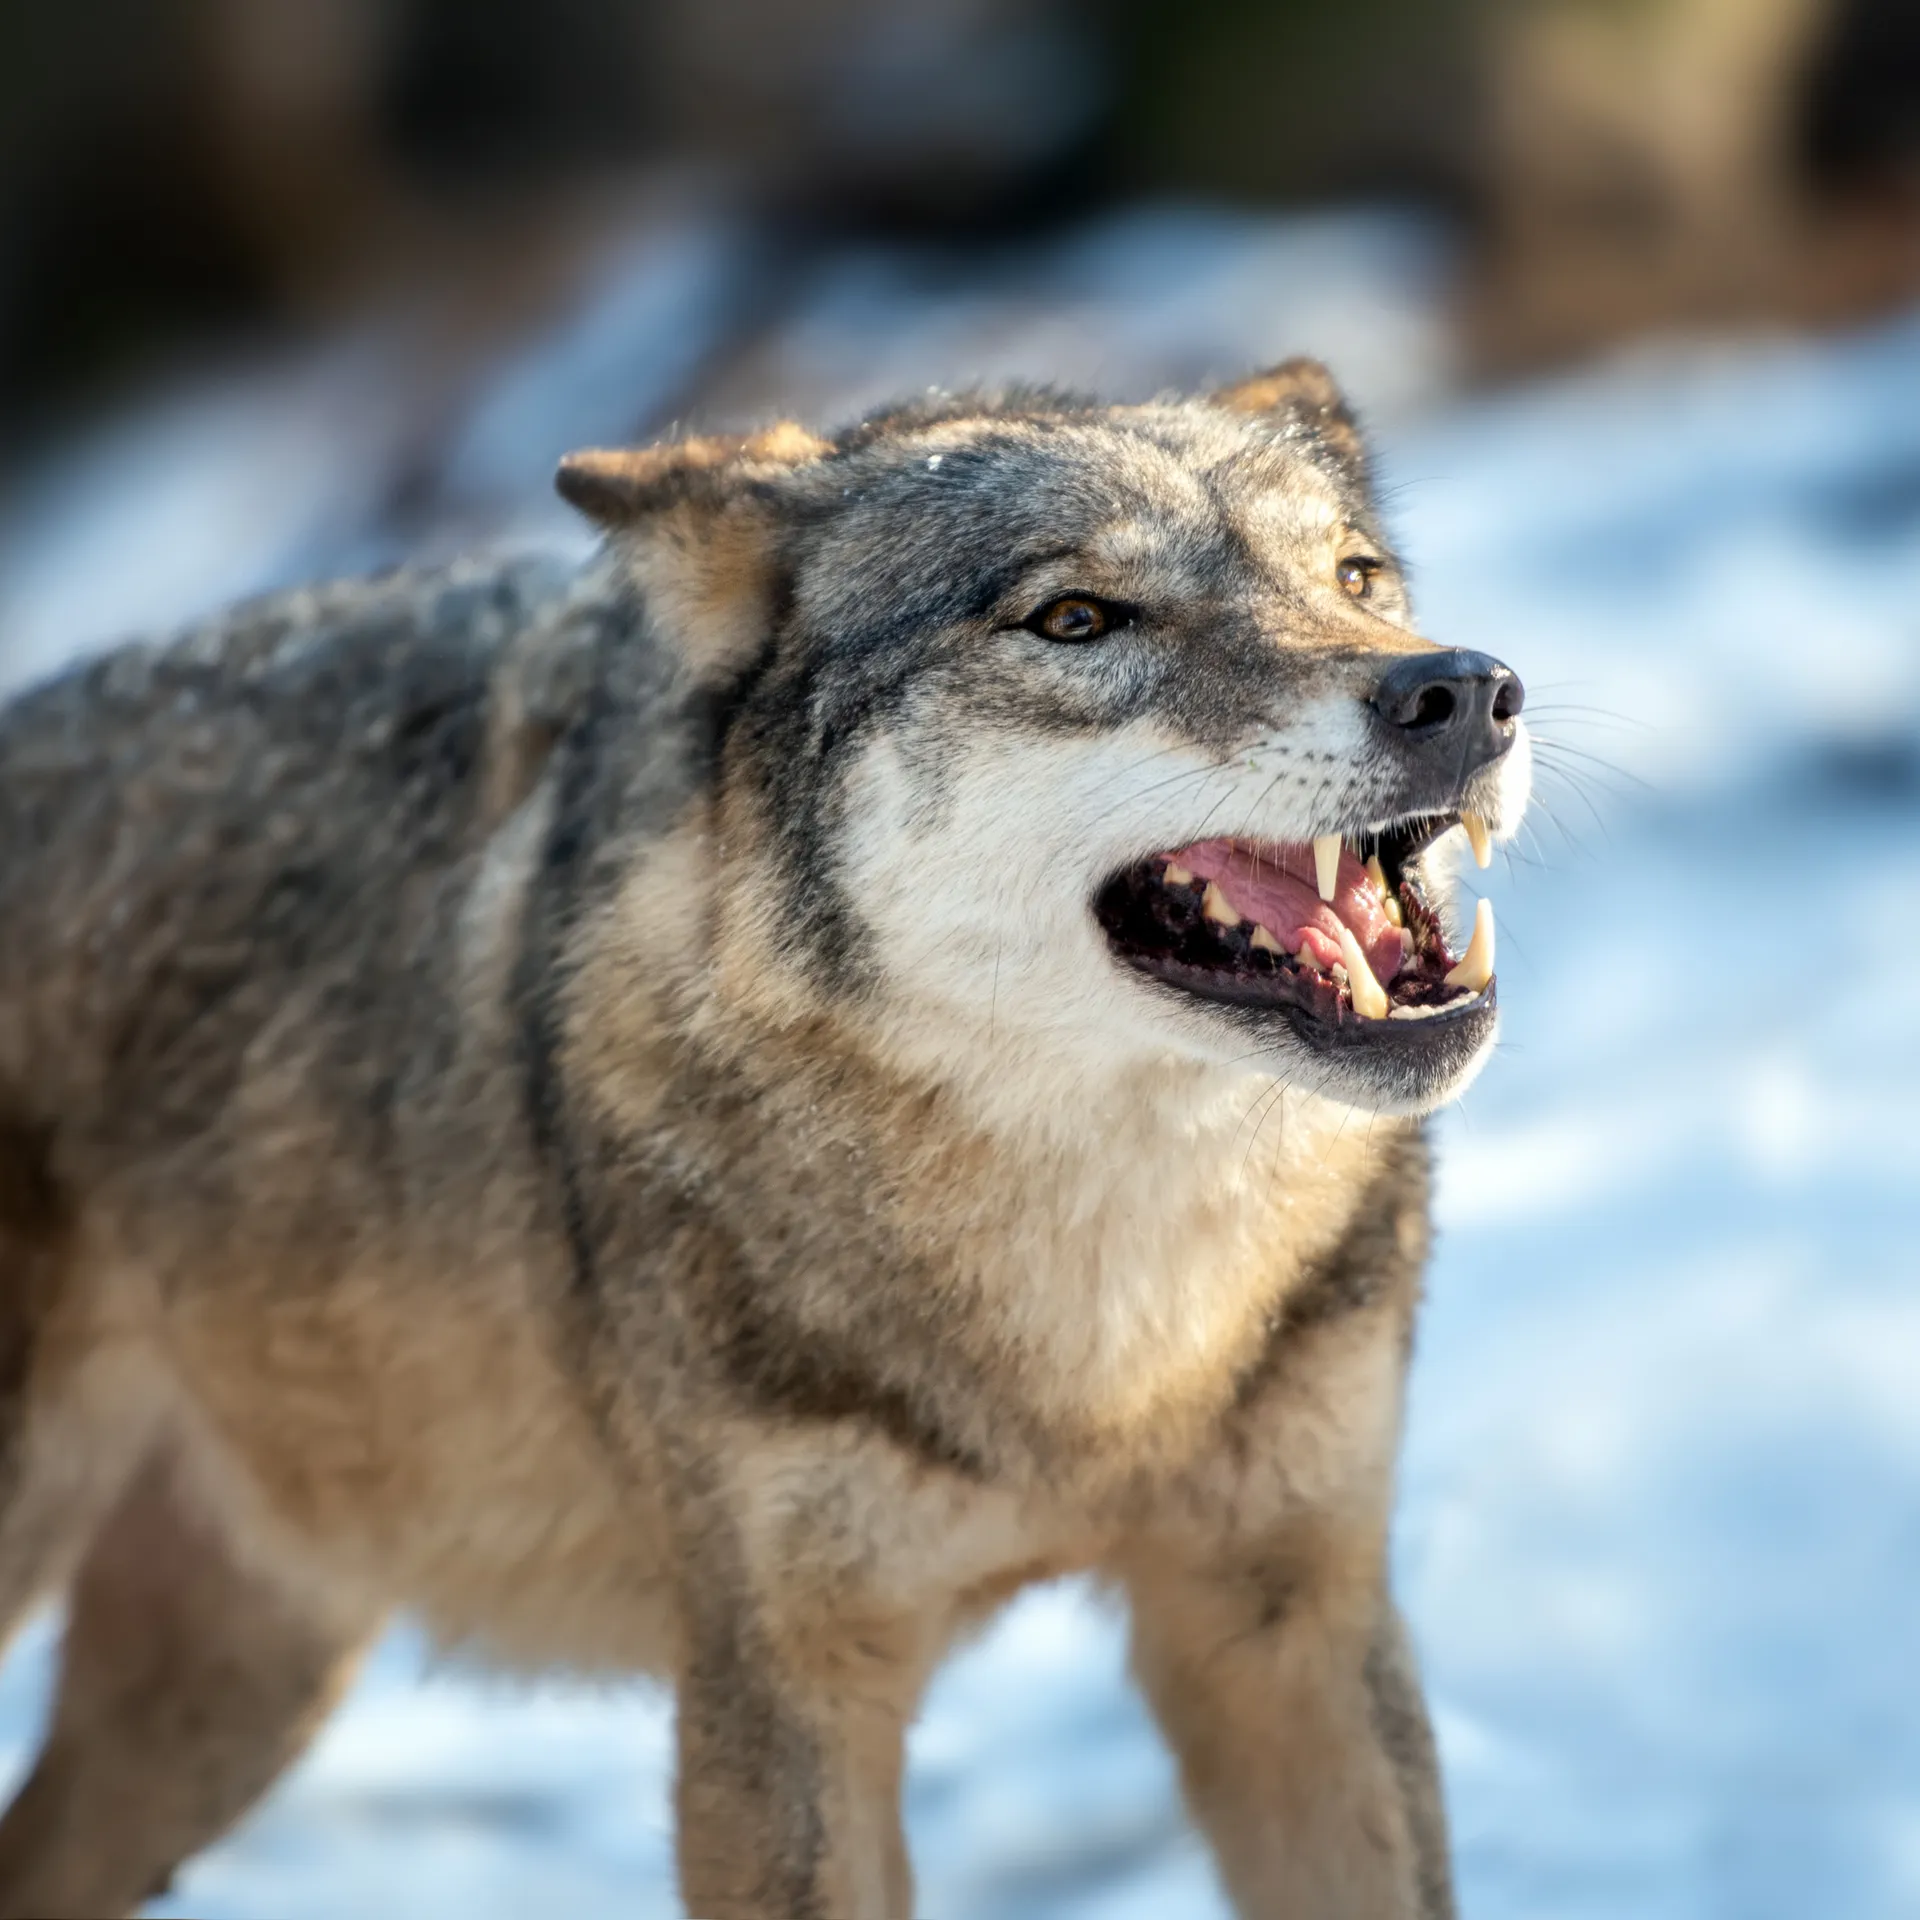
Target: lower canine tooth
pixel 1326 863
pixel 1217 907
pixel 1265 941
pixel 1369 996
pixel 1177 875
pixel 1395 913
pixel 1476 964
pixel 1480 839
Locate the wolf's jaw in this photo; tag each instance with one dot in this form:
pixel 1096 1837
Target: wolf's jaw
pixel 1344 932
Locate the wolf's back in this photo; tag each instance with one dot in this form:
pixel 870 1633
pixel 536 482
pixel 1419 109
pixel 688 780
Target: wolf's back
pixel 196 835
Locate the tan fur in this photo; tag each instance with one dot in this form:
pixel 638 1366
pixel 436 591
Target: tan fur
pixel 698 541
pixel 1303 392
pixel 189 1681
pixel 452 1156
pixel 618 485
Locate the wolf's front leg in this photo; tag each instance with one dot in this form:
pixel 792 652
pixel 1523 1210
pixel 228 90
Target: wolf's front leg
pixel 791 1745
pixel 1287 1689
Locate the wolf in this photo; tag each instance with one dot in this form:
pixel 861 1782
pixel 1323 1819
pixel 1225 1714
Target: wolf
pixel 719 1111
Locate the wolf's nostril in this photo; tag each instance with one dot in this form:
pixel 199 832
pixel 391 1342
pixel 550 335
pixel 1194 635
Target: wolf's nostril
pixel 1451 707
pixel 1428 692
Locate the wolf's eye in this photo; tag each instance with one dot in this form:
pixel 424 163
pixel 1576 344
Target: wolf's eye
pixel 1356 572
pixel 1075 617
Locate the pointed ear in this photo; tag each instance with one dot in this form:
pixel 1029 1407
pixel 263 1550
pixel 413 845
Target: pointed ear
pixel 618 486
pixel 697 522
pixel 1301 395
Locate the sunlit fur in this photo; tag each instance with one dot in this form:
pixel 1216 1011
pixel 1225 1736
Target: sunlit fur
pixel 593 1106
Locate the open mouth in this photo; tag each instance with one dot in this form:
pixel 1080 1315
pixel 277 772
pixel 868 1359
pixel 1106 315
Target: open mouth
pixel 1338 933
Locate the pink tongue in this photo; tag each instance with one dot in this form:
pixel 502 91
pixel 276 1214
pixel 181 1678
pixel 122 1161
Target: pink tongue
pixel 1275 886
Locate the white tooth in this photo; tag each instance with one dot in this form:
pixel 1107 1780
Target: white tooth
pixel 1481 839
pixel 1409 945
pixel 1177 875
pixel 1307 958
pixel 1369 996
pixel 1265 941
pixel 1216 906
pixel 1476 964
pixel 1326 863
pixel 1378 874
pixel 1393 910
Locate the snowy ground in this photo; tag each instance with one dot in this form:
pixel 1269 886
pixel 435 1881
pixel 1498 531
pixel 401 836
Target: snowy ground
pixel 1661 1514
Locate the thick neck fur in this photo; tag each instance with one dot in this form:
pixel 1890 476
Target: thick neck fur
pixel 1143 1227
pixel 1120 1237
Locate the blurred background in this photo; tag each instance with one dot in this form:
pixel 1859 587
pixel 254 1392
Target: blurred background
pixel 1630 293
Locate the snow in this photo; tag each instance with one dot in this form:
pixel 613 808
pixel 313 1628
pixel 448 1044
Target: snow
pixel 1658 1531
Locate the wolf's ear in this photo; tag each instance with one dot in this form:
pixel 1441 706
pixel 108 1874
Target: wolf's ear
pixel 1301 394
pixel 698 522
pixel 619 486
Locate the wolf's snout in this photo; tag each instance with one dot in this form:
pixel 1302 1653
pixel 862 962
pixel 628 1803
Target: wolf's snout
pixel 1455 704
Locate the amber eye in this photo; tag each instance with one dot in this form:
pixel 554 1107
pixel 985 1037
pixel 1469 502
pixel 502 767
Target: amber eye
pixel 1075 617
pixel 1355 573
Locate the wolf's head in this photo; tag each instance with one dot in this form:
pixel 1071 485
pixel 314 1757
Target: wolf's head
pixel 1060 732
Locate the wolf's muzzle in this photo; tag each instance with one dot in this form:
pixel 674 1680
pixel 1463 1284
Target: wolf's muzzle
pixel 1453 710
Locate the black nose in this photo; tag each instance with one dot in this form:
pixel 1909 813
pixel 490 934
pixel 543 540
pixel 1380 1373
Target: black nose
pixel 1455 703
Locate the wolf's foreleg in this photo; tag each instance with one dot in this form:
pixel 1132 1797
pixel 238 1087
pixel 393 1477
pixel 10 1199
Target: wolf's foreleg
pixel 1286 1690
pixel 1400 1719
pixel 792 1731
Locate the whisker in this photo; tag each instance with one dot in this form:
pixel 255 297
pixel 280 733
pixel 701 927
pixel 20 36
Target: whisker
pixel 1270 1095
pixel 1538 858
pixel 1571 840
pixel 1188 773
pixel 1585 782
pixel 1548 746
pixel 1145 760
pixel 1580 793
pixel 1516 859
pixel 1587 715
pixel 1254 810
pixel 1207 820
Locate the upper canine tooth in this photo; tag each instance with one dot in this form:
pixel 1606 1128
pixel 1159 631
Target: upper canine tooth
pixel 1216 906
pixel 1369 996
pixel 1177 875
pixel 1481 839
pixel 1265 941
pixel 1326 863
pixel 1378 875
pixel 1476 964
